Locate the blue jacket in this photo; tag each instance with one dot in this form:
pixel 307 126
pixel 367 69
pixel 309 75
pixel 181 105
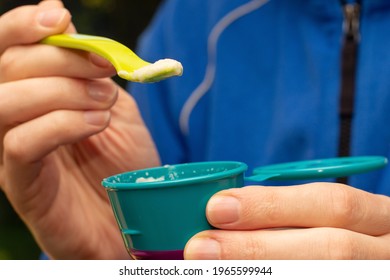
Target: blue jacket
pixel 261 83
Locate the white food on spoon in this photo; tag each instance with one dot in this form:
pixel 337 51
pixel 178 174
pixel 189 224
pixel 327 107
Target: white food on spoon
pixel 157 71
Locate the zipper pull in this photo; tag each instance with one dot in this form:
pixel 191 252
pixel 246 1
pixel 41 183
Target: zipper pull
pixel 351 21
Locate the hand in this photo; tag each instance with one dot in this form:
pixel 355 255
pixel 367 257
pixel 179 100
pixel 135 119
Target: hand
pixel 312 221
pixel 64 126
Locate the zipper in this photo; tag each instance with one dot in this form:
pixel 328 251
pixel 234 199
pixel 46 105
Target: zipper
pixel 351 21
pixel 351 39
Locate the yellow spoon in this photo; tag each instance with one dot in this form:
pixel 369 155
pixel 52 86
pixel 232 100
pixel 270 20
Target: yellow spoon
pixel 127 64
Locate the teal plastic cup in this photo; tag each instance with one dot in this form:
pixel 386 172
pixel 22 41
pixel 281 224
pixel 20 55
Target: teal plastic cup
pixel 159 209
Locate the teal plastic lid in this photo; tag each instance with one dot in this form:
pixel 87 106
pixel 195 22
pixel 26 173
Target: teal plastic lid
pixel 320 168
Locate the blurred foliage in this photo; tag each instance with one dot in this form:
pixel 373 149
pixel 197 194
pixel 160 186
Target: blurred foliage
pixel 122 20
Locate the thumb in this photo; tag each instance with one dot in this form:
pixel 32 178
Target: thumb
pixel 29 24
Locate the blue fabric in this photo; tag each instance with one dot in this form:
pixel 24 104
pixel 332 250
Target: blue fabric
pixel 275 94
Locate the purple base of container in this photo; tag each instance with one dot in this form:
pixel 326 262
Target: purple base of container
pixel 157 255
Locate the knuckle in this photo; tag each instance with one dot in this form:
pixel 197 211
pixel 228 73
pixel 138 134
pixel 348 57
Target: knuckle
pixel 6 21
pixel 7 61
pixel 17 28
pixel 270 207
pixel 13 146
pixel 345 205
pixel 243 245
pixel 342 246
pixel 256 249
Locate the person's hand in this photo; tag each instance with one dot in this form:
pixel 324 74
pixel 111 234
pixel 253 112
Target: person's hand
pixel 312 221
pixel 64 125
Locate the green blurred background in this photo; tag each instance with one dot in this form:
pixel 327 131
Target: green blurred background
pixel 122 20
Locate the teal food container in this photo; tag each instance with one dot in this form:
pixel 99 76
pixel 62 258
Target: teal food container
pixel 159 209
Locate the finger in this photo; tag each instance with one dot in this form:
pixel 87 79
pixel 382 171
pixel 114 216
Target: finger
pixel 313 243
pixel 310 205
pixel 29 24
pixel 27 144
pixel 22 62
pixel 46 133
pixel 50 4
pixel 27 99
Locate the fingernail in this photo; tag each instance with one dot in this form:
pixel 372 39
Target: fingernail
pixel 223 209
pixel 97 117
pixel 102 91
pixel 203 249
pixel 51 18
pixel 99 61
